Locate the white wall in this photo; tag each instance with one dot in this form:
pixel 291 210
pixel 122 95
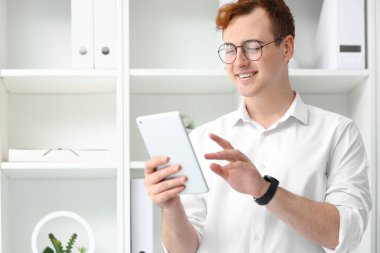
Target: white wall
pixel 3 123
pixel 62 121
pixel 33 42
pixel 3 32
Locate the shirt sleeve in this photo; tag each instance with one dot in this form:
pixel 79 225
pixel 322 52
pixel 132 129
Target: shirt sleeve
pixel 196 211
pixel 348 187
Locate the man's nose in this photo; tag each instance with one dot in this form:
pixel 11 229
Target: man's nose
pixel 241 59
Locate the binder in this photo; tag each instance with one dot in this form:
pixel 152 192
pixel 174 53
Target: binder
pixel 142 218
pixel 105 34
pixel 82 35
pixel 340 40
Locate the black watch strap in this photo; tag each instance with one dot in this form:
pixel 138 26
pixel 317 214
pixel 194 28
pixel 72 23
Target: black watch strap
pixel 263 200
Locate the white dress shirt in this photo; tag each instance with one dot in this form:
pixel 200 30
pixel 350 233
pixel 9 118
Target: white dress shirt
pixel 313 153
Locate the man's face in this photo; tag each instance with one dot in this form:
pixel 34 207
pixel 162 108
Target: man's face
pixel 253 77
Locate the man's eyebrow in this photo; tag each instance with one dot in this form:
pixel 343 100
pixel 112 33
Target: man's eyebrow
pixel 256 40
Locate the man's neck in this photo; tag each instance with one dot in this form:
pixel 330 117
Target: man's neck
pixel 270 106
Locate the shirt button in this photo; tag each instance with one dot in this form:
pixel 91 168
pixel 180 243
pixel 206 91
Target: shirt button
pixel 256 237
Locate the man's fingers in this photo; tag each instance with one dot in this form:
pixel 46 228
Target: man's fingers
pixel 152 164
pixel 166 185
pixel 220 141
pixel 230 155
pixel 216 168
pixel 161 174
pixel 165 196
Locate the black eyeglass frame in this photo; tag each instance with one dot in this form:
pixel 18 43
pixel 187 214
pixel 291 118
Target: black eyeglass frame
pixel 242 46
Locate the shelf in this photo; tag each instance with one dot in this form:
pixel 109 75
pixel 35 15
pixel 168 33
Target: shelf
pixel 172 81
pixel 326 81
pixel 152 81
pixel 137 165
pixel 57 170
pixel 28 81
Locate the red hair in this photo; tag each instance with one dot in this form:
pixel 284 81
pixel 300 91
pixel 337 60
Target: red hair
pixel 278 12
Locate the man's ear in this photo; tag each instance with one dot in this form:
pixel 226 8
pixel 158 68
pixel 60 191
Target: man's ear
pixel 288 48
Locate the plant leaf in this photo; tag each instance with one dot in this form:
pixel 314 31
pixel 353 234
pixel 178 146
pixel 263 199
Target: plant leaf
pixel 48 250
pixel 71 242
pixel 56 243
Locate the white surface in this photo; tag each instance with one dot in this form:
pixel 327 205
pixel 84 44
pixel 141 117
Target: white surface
pixel 82 33
pixel 78 121
pixel 137 165
pixel 142 218
pixel 60 155
pixel 306 15
pixel 68 81
pixel 38 34
pixel 58 170
pixel 351 31
pixel 173 34
pixel 164 134
pixel 3 124
pixel 3 30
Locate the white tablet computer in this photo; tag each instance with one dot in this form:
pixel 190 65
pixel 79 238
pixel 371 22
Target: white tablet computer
pixel 165 135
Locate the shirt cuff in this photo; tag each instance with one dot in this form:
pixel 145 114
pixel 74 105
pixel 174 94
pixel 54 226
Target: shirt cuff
pixel 351 230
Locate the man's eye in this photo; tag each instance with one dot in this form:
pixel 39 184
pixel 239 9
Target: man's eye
pixel 230 50
pixel 251 49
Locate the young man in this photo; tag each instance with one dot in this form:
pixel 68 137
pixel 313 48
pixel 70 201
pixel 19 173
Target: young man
pixel 322 202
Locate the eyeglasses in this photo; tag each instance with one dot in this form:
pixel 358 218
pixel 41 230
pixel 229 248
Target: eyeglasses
pixel 252 49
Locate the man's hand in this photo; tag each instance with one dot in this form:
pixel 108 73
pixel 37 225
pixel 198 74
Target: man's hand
pixel 164 193
pixel 240 172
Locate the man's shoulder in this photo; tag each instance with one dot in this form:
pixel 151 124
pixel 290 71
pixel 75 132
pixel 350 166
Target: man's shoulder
pixel 322 116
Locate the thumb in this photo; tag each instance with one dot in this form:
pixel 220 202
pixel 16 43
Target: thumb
pixel 217 169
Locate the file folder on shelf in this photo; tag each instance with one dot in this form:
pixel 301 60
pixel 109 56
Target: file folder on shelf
pixel 82 34
pixel 105 34
pixel 340 40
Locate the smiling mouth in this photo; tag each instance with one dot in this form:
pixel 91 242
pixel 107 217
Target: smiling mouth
pixel 247 75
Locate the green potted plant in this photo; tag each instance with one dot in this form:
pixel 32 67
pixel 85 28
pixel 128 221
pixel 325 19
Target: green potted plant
pixel 57 245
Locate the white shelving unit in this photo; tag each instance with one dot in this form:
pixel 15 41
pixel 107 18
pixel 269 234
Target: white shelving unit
pixel 166 60
pixel 45 104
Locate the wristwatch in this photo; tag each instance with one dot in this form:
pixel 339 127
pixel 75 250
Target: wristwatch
pixel 263 200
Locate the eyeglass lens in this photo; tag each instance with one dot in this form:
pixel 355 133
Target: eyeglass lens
pixel 251 49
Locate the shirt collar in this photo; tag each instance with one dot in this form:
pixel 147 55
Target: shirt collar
pixel 298 110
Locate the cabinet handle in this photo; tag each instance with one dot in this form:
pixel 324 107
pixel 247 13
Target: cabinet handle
pixel 105 50
pixel 82 50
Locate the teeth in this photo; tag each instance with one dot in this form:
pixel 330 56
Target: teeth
pixel 247 75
